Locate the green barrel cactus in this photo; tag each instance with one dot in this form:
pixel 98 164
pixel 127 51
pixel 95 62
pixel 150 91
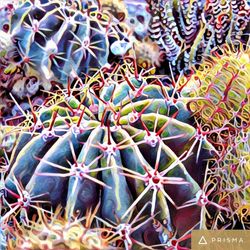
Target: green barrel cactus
pixel 121 141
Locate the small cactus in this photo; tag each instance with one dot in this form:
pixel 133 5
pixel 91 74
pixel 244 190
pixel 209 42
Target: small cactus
pixel 54 41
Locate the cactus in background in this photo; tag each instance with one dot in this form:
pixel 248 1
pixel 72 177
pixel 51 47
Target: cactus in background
pixel 219 99
pixel 55 231
pixel 54 41
pixel 147 54
pixel 99 152
pixel 5 14
pixel 187 30
pixel 138 18
pixel 117 8
pixel 133 13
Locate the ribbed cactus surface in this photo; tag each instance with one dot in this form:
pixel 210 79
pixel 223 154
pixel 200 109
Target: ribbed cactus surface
pixel 54 41
pixel 118 141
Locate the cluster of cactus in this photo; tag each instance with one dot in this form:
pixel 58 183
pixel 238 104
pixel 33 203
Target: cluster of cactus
pixel 48 43
pixel 54 41
pixel 55 231
pixel 187 30
pixel 109 155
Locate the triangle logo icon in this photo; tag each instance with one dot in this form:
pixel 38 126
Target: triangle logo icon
pixel 202 241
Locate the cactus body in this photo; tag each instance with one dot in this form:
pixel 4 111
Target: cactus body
pixel 54 42
pixel 132 154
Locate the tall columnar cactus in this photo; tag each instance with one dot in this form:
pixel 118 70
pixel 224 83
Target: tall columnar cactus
pixel 121 141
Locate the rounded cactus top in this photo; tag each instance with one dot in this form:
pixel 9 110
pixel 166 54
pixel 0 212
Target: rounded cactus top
pixel 58 40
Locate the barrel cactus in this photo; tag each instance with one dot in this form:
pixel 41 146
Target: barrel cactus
pixel 55 41
pixel 121 141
